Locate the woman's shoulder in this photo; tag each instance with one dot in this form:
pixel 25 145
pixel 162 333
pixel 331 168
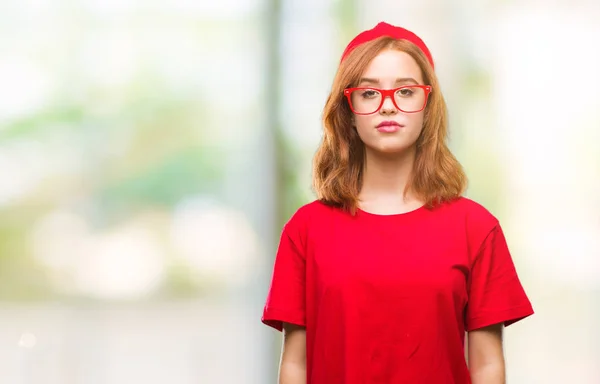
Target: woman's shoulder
pixel 302 221
pixel 471 219
pixel 312 211
pixel 472 213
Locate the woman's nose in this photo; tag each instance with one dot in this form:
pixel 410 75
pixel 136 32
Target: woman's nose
pixel 388 105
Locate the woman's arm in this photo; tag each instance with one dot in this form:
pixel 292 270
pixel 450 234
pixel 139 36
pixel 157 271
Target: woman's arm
pixel 486 355
pixel 292 369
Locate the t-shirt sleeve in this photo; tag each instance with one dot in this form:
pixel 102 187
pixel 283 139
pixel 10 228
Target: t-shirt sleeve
pixel 496 294
pixel 286 297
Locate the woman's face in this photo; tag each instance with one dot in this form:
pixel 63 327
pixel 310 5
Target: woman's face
pixel 390 129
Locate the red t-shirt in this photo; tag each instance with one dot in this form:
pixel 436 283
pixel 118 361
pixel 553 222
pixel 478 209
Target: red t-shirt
pixel 388 298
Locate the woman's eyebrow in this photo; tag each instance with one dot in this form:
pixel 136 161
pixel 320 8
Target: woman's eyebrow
pixel 405 80
pixel 401 80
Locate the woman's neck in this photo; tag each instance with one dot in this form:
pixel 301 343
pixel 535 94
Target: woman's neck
pixel 384 181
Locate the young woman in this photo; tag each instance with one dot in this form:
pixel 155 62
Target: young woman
pixel 379 279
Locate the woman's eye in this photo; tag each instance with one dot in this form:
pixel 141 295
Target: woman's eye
pixel 405 92
pixel 369 93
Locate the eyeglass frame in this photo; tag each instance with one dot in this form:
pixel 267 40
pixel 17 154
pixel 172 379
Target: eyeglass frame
pixel 385 93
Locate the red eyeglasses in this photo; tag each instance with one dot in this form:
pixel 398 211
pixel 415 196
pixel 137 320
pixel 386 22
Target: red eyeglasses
pixel 408 98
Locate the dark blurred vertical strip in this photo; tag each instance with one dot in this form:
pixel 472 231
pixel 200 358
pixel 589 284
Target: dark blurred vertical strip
pixel 273 105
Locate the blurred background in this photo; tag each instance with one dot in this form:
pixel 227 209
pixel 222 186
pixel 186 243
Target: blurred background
pixel 150 152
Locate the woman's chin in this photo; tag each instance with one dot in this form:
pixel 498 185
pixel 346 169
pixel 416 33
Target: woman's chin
pixel 390 147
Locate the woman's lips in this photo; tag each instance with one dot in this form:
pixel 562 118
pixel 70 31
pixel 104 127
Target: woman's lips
pixel 389 126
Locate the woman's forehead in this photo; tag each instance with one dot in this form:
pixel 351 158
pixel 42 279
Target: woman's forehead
pixel 391 65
